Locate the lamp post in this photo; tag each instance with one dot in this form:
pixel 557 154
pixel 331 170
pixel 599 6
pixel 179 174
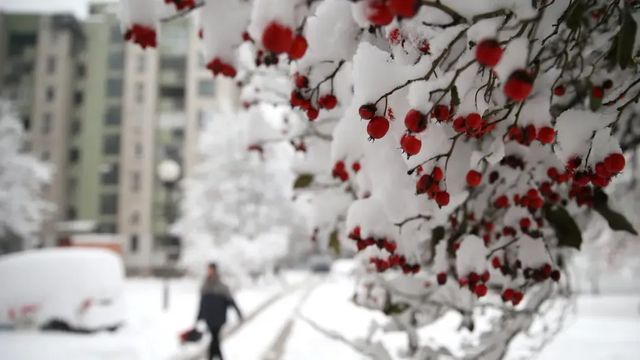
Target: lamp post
pixel 169 174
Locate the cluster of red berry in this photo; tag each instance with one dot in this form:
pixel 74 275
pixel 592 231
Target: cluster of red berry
pixel 430 184
pixel 473 125
pixel 218 66
pixel 519 84
pixel 527 134
pixel 393 260
pixel 141 35
pixel 378 125
pixel 381 12
pixel 279 39
pixel 303 96
pixel 340 171
pixel 473 281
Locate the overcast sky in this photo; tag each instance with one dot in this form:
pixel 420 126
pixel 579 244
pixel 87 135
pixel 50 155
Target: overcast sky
pixel 78 7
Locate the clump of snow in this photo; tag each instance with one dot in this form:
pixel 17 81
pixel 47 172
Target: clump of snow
pixel 471 256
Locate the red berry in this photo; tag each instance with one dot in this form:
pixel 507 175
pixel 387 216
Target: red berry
pixel 555 275
pixel 517 297
pixel 415 121
pixel 246 36
pixel 200 33
pixel 367 111
pixel 442 278
pixel 536 203
pixel 480 290
pixel 553 173
pixel 473 178
pixel 423 184
pixel 277 38
pixel 519 85
pixel 215 66
pixel 410 144
pixel 361 245
pixel 502 201
pixel 473 121
pixel 442 198
pixel 507 294
pixel 355 167
pixel 298 48
pixel 441 112
pixel 614 163
pixel 228 70
pixel 546 270
pixel 312 114
pixel 378 13
pixel 437 174
pixel 485 276
pixel 488 52
pixel 459 124
pixel 597 92
pixel 607 84
pixel 558 90
pixel 546 135
pixel 403 8
pixel 328 102
pixel 532 193
pixel 496 263
pixel 525 223
pixel 378 127
pixel 301 81
pixel 530 133
pixel 390 246
pixel 424 47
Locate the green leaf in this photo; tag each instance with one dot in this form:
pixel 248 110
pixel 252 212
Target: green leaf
pixel 455 98
pixel 395 308
pixel 616 220
pixel 334 242
pixel 566 229
pixel 626 38
pixel 303 181
pixel 575 15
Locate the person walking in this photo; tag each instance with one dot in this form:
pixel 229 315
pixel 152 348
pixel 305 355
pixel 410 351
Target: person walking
pixel 215 298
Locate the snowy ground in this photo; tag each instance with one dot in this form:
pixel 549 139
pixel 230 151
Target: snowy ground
pixel 606 327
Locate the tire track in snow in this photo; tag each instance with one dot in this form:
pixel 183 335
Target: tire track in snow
pixel 255 338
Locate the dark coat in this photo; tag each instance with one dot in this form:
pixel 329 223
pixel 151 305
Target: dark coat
pixel 214 301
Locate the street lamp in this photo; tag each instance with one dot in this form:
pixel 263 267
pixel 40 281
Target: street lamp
pixel 169 174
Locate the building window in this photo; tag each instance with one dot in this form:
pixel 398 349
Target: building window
pixel 26 122
pixel 51 64
pixel 116 34
pixel 78 98
pixel 134 218
pixel 202 119
pixel 71 213
pixel 107 227
pixel 138 150
pixel 205 88
pixel 135 181
pixel 50 94
pixel 111 145
pixel 114 87
pixel 140 63
pixel 109 204
pixel 116 60
pixel 133 243
pixel 76 126
pixel 47 123
pixel 74 155
pixel 113 115
pixel 139 93
pixel 110 176
pixel 81 70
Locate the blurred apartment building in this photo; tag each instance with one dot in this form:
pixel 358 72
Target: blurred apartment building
pixel 105 113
